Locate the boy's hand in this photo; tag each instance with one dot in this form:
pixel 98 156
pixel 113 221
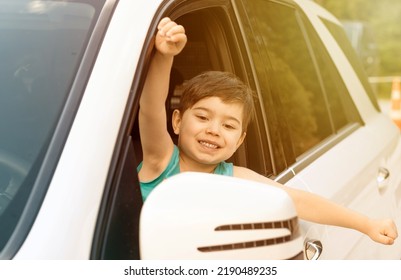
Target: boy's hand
pixel 383 231
pixel 170 38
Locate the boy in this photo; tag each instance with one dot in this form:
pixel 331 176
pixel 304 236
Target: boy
pixel 211 124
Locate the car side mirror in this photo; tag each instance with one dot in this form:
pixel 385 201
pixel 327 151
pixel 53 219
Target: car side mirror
pixel 208 216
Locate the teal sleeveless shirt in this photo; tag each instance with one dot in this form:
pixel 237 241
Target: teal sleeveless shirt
pixel 173 168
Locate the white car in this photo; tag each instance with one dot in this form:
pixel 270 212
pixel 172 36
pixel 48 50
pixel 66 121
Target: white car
pixel 71 75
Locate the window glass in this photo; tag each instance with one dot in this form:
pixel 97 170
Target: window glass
pixel 42 43
pixel 295 87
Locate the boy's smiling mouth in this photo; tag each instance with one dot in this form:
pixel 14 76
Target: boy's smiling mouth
pixel 208 144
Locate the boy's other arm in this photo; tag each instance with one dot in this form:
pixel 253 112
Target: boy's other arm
pixel 317 209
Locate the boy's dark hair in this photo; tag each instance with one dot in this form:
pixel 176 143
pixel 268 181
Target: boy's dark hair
pixel 228 87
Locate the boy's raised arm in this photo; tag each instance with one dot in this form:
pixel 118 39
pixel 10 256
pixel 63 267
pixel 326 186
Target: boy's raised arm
pixel 157 145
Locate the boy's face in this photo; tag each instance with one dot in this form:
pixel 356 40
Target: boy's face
pixel 210 131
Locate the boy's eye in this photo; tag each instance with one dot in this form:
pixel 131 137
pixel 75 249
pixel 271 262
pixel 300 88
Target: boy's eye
pixel 229 126
pixel 201 117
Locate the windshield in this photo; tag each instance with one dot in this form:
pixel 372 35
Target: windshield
pixel 42 44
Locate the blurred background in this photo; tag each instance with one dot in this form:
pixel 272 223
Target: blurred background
pixel 374 29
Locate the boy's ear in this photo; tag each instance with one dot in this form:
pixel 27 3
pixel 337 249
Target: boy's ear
pixel 176 121
pixel 241 139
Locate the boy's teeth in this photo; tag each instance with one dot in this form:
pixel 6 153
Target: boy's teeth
pixel 208 145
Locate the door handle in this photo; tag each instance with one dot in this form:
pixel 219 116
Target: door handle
pixel 312 249
pixel 383 176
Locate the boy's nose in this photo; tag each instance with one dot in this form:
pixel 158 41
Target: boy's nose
pixel 213 128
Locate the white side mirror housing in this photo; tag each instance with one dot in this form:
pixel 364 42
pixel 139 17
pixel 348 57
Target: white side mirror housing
pixel 207 216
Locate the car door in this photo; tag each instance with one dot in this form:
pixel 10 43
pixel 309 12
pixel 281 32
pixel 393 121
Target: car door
pixel 320 122
pixel 375 188
pixel 214 43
